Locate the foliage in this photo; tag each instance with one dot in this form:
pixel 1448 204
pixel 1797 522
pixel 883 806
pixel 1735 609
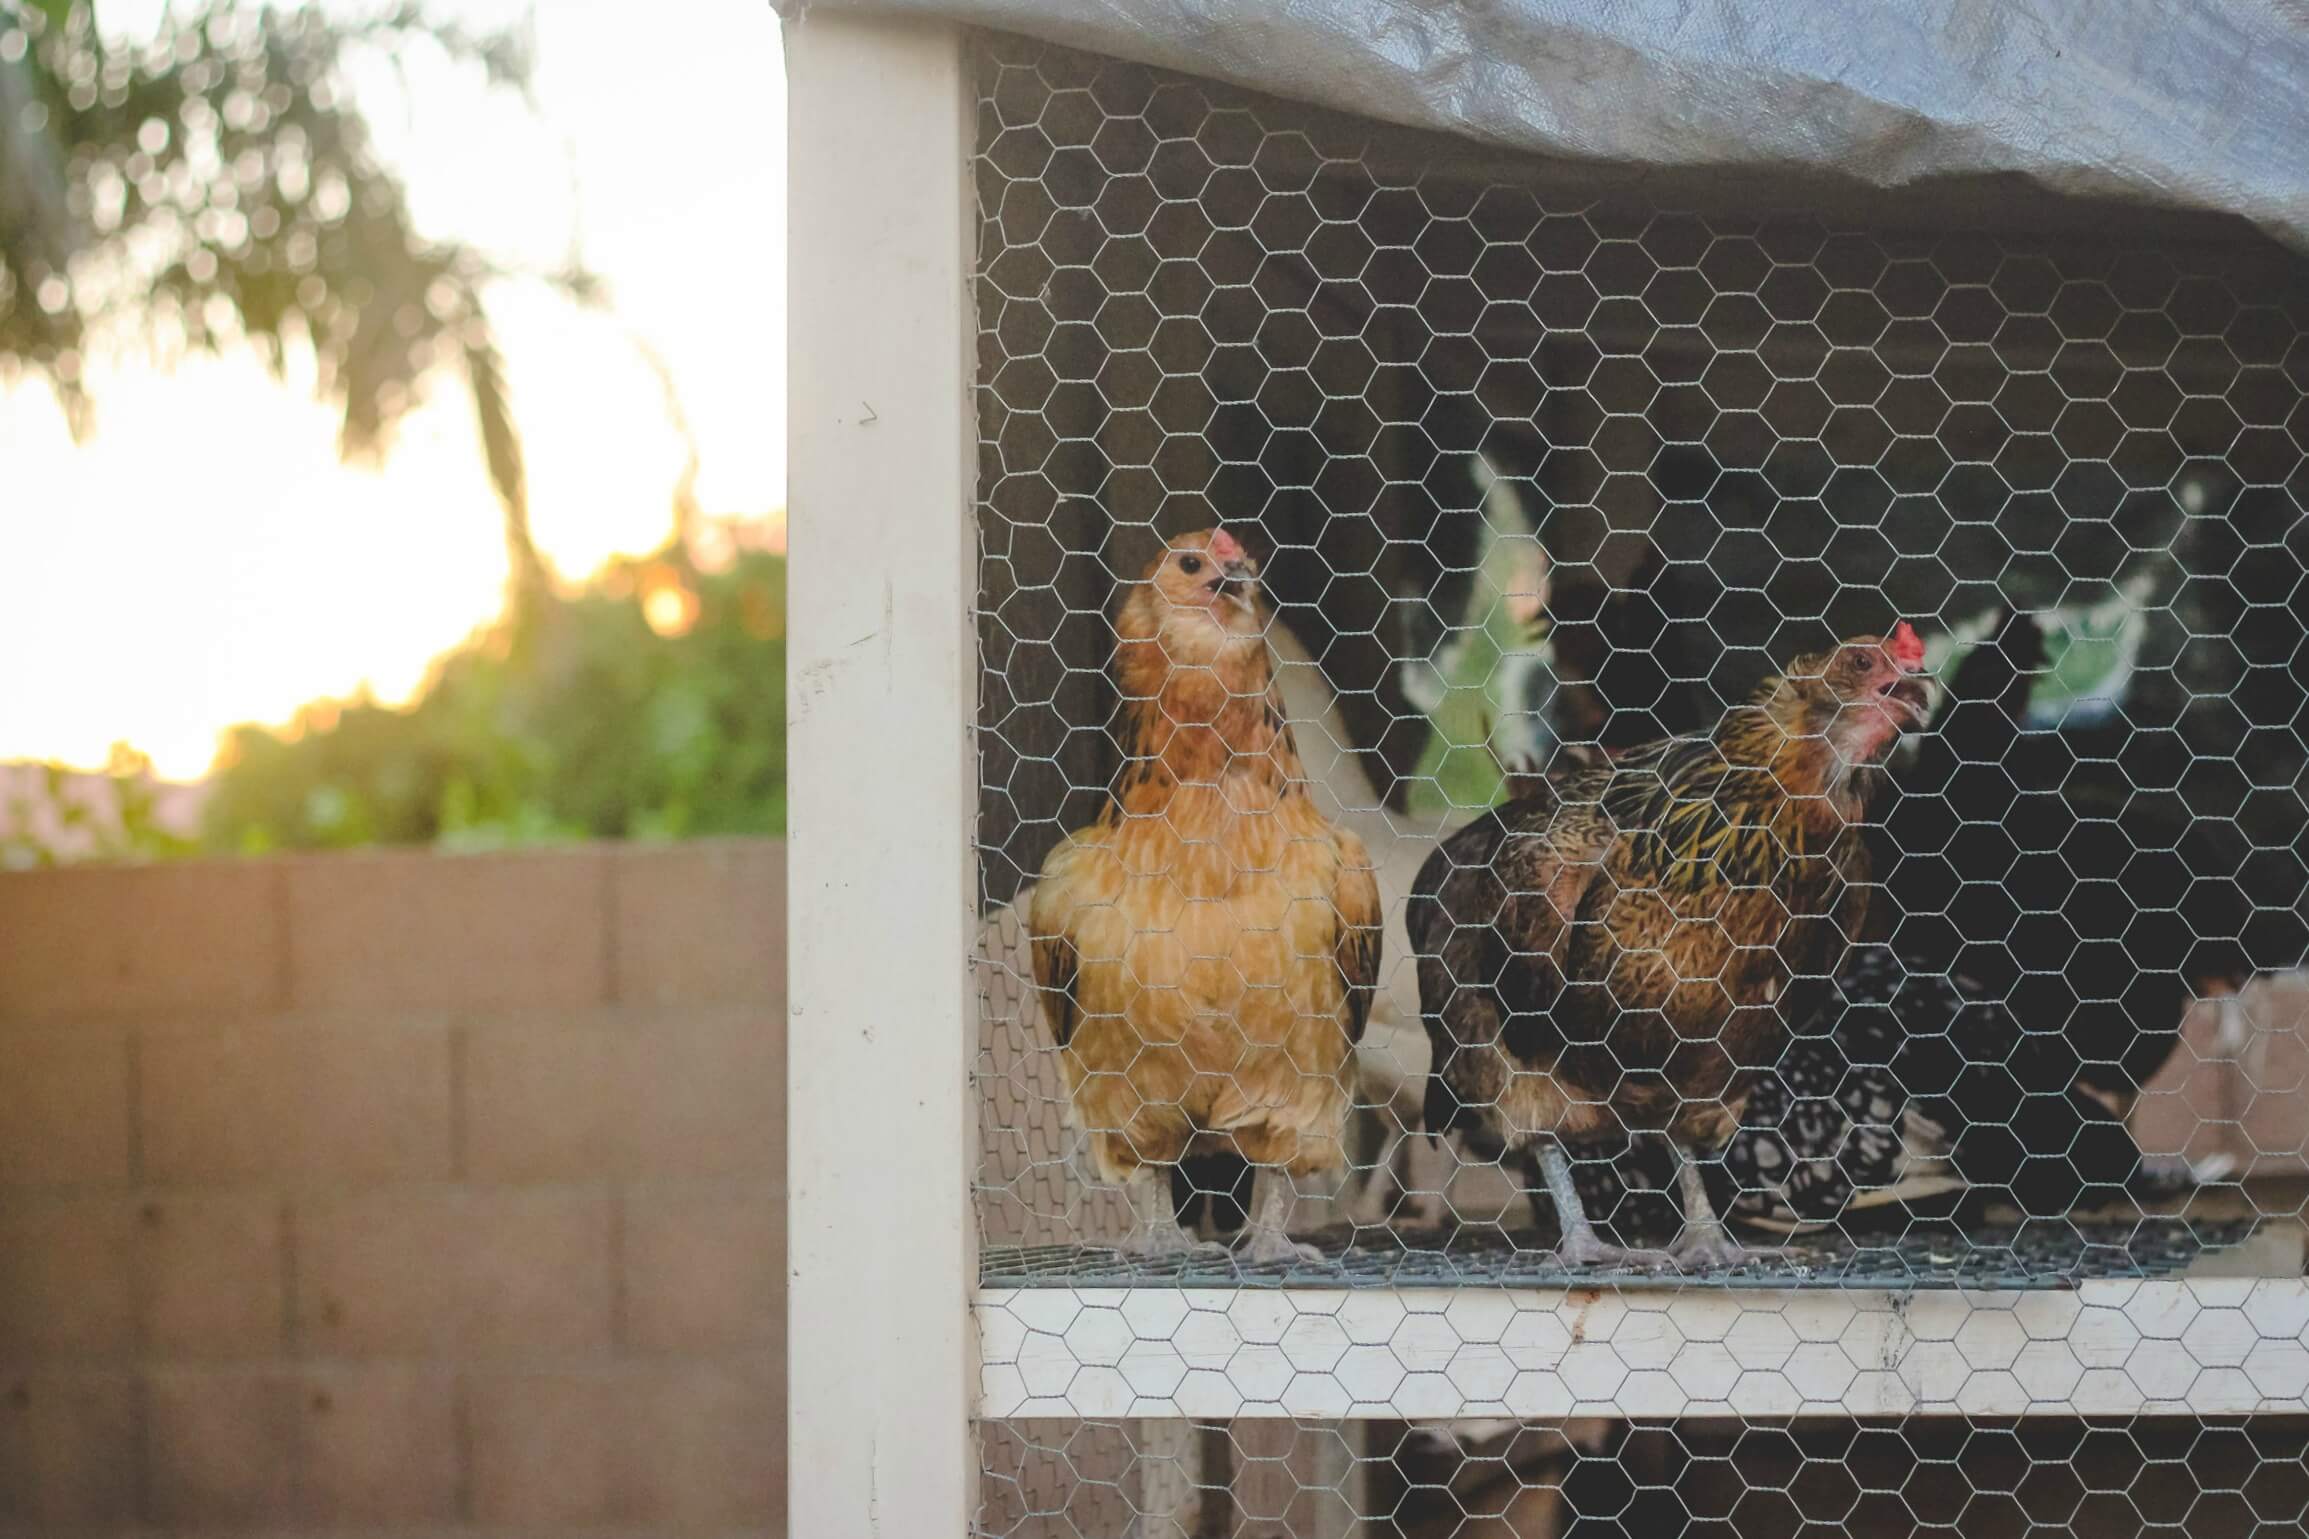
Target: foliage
pixel 212 187
pixel 651 705
pixel 51 815
pixel 215 186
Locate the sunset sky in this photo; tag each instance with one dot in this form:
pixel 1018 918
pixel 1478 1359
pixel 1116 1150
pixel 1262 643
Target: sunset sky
pixel 204 560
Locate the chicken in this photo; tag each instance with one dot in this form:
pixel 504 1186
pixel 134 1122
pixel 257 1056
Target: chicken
pixel 1206 951
pixel 1918 1079
pixel 1634 660
pixel 1617 951
pixel 1913 1090
pixel 1391 1055
pixel 1907 1087
pixel 1625 658
pixel 2099 914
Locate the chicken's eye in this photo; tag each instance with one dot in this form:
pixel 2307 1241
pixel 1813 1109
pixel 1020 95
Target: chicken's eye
pixel 1190 564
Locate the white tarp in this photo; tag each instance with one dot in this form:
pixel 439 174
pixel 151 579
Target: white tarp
pixel 2197 105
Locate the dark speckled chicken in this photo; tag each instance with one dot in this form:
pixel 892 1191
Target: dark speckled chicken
pixel 1916 1079
pixel 1621 952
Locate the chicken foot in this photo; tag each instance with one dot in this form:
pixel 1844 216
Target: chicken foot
pixel 1267 1241
pixel 1581 1245
pixel 1705 1242
pixel 1155 1233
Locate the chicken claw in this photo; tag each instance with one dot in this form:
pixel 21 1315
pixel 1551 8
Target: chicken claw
pixel 1706 1245
pixel 1584 1247
pixel 1581 1245
pixel 1165 1241
pixel 1267 1242
pixel 1710 1247
pixel 1156 1234
pixel 1270 1247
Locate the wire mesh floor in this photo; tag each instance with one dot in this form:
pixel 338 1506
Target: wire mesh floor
pixel 1924 1256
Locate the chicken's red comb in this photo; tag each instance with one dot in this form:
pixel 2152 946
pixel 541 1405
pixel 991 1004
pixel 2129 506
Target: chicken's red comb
pixel 1225 546
pixel 1905 646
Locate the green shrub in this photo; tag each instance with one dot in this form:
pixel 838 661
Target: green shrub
pixel 582 719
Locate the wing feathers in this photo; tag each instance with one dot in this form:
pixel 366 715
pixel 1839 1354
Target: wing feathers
pixel 1056 967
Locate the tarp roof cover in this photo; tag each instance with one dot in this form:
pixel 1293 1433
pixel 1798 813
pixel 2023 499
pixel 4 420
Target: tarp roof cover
pixel 2204 105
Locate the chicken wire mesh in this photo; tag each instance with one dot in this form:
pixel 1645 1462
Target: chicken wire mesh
pixel 1982 1478
pixel 1359 512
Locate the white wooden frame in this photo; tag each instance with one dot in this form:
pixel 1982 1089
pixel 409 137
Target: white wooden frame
pixel 2201 1346
pixel 894 1348
pixel 881 683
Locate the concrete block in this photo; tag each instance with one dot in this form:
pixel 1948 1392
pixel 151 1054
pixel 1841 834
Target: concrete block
pixel 223 1446
pixel 378 1446
pixel 67 1284
pixel 70 1449
pixel 212 1275
pixel 444 1271
pixel 548 1447
pixel 700 922
pixel 702 1093
pixel 658 1445
pixel 540 1098
pixel 466 931
pixel 137 941
pixel 702 1267
pixel 297 1100
pixel 373 1104
pixel 64 1107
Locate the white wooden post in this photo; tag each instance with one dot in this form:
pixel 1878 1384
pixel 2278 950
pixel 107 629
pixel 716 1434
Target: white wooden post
pixel 881 681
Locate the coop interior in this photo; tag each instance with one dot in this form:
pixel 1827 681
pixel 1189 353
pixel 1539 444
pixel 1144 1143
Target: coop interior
pixel 1507 472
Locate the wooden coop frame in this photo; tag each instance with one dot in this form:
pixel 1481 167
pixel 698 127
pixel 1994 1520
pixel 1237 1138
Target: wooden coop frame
pixel 883 1355
pixel 895 1349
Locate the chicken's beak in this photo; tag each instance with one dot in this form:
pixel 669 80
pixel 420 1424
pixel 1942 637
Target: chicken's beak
pixel 1237 580
pixel 1913 699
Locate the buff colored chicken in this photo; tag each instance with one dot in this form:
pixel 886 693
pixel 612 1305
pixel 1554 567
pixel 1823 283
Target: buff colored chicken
pixel 1206 951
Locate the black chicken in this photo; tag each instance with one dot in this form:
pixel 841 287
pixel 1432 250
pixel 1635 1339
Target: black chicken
pixel 1635 661
pixel 2096 914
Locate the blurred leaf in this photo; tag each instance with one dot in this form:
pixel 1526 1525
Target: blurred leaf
pixel 216 187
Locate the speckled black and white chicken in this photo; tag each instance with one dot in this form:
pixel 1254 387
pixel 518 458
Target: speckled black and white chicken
pixel 1907 1085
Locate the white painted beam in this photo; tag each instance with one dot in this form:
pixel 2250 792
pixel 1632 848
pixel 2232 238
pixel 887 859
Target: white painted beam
pixel 881 687
pixel 2209 1346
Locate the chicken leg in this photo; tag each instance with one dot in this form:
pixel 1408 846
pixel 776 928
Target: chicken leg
pixel 1581 1245
pixel 1155 1233
pixel 1705 1242
pixel 1268 1240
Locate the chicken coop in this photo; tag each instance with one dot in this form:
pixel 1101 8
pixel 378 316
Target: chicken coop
pixel 1548 778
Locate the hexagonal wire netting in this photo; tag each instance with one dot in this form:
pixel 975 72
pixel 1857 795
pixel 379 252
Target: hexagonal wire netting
pixel 1531 466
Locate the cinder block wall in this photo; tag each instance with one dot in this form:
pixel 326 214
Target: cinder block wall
pixel 404 1194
